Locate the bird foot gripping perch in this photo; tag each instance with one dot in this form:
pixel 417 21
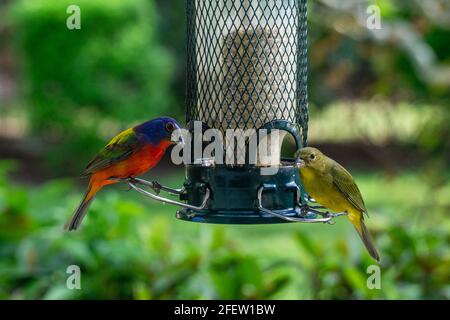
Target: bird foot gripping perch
pixel 134 183
pixel 328 216
pixel 305 210
pixel 314 209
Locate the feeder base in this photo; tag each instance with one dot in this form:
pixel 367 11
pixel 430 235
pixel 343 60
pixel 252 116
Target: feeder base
pixel 233 217
pixel 234 194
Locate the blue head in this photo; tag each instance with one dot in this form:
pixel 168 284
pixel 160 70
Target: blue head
pixel 158 130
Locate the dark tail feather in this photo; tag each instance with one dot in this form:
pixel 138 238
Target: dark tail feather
pixel 81 211
pixel 368 241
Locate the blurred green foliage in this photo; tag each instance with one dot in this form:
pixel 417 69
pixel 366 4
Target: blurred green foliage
pixel 84 85
pixel 347 61
pixel 407 59
pixel 130 259
pixel 126 64
pixel 132 249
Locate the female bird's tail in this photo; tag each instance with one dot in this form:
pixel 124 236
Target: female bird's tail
pixel 358 222
pixel 81 211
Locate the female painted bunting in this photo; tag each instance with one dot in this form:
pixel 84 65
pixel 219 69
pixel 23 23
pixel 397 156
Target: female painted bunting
pixel 332 186
pixel 129 154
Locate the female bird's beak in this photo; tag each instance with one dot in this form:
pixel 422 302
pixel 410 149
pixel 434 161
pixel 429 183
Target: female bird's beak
pixel 299 163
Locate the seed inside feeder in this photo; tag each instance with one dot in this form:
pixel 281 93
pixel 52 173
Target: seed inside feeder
pixel 258 81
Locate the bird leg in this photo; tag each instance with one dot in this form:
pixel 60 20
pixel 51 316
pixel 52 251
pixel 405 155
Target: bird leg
pixel 334 215
pixel 316 207
pixel 174 192
pixel 156 186
pixel 305 209
pixel 127 181
pixel 337 214
pixel 324 214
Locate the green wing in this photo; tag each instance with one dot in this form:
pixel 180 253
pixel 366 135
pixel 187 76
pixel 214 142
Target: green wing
pixel 119 148
pixel 344 181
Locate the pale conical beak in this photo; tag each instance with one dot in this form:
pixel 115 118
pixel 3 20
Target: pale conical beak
pixel 299 163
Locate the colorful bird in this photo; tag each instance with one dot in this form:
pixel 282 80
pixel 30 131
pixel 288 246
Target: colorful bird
pixel 332 186
pixel 129 154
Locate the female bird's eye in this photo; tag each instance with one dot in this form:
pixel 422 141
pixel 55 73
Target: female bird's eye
pixel 312 156
pixel 170 127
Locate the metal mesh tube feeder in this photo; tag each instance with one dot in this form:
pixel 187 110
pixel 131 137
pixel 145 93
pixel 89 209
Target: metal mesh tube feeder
pixel 246 70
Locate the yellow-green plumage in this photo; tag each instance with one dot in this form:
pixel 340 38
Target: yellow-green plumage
pixel 332 186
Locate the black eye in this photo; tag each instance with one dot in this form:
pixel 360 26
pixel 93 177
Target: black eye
pixel 170 127
pixel 312 156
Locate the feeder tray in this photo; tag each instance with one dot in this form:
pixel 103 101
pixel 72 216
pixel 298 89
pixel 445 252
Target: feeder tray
pixel 246 69
pixel 300 213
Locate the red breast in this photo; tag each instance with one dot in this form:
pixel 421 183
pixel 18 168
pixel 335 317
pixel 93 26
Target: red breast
pixel 137 164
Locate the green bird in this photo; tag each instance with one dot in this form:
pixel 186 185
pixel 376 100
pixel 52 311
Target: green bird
pixel 332 186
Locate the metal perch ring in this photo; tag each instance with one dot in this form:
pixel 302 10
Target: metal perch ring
pixel 133 182
pixel 327 216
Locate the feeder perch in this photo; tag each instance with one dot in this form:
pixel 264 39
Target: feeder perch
pixel 246 69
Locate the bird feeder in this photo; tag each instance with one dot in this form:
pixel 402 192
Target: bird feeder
pixel 246 70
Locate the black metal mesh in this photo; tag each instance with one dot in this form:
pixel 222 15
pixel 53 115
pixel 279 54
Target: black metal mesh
pixel 247 63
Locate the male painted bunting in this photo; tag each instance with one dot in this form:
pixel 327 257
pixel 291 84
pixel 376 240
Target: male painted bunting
pixel 332 186
pixel 129 154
